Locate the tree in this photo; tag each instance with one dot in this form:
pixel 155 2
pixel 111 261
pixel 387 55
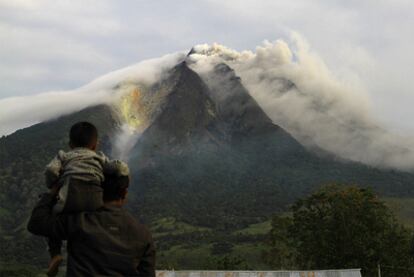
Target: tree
pixel 348 227
pixel 282 254
pixel 227 262
pixel 221 247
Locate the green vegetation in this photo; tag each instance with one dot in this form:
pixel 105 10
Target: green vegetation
pixel 18 270
pixel 342 227
pixel 184 257
pixel 183 246
pixel 403 208
pixel 169 226
pixel 256 229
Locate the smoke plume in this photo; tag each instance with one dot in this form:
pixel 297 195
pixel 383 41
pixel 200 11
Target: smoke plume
pixel 317 109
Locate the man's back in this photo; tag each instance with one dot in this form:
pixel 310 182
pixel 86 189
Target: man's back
pixel 106 242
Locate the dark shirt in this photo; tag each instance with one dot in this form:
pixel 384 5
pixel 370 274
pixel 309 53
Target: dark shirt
pixel 106 242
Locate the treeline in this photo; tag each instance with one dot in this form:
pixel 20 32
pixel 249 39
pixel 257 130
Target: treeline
pixel 341 227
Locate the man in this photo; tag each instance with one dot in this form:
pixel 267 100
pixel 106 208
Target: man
pixel 106 242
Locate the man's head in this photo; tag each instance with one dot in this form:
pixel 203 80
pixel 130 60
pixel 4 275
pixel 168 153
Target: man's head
pixel 115 188
pixel 83 134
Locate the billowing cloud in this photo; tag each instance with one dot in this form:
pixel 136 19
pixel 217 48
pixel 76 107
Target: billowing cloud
pixel 319 110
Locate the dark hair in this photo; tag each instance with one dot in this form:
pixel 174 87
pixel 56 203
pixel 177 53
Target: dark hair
pixel 83 134
pixel 115 187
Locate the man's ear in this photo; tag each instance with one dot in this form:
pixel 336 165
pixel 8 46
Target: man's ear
pixel 94 145
pixel 124 198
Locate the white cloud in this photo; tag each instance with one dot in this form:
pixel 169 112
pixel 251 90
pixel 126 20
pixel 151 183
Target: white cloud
pixel 23 111
pixel 319 110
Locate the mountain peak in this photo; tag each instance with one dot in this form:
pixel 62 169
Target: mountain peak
pixel 187 115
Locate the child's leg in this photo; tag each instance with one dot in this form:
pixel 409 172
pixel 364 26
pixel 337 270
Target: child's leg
pixel 55 246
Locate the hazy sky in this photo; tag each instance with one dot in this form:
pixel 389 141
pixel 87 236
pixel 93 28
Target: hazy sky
pixel 52 45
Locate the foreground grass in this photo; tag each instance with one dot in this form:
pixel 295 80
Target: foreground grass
pixel 14 269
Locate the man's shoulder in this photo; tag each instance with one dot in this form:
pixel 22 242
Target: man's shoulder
pixel 123 216
pixel 136 222
pixel 89 220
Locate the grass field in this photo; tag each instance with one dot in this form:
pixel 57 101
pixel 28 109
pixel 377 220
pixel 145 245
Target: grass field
pixel 170 226
pixel 256 229
pixel 192 247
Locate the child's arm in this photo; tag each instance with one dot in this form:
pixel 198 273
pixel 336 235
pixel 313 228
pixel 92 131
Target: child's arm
pixel 114 167
pixel 52 171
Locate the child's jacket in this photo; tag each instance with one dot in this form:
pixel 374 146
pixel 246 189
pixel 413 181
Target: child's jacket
pixel 79 173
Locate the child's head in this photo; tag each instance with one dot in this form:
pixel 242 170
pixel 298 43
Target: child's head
pixel 83 134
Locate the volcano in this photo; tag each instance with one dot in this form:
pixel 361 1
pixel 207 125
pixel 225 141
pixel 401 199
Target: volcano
pixel 206 161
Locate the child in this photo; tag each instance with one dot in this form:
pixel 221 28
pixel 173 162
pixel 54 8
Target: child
pixel 78 175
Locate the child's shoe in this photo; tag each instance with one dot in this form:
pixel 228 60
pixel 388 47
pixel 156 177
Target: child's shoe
pixel 54 264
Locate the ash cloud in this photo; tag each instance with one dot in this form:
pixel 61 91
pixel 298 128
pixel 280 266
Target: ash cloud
pixel 20 112
pixel 318 110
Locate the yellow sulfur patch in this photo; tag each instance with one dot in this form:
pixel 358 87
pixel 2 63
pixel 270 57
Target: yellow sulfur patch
pixel 132 109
